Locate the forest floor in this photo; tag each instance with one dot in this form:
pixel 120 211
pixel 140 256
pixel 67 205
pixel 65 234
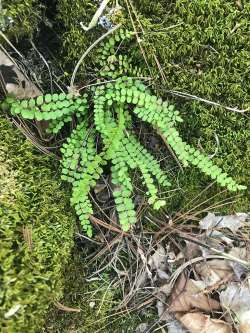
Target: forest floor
pixel 185 269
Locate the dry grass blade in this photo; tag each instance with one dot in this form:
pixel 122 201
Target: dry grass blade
pixel 27 235
pixel 193 97
pixel 66 308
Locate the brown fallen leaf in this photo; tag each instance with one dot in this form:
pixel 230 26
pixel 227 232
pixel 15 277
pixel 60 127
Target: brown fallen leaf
pixel 241 253
pixel 188 295
pixel 22 87
pixel 201 323
pixel 158 260
pixel 213 271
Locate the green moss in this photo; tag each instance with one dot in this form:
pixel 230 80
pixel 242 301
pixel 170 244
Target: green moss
pixel 32 206
pixel 20 17
pixel 74 39
pixel 202 47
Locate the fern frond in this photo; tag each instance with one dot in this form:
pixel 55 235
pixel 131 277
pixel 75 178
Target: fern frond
pixel 115 103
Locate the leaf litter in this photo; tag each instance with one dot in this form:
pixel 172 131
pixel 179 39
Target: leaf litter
pixel 205 287
pixel 196 276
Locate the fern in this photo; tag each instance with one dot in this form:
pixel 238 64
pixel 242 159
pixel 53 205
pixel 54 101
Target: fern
pixel 119 93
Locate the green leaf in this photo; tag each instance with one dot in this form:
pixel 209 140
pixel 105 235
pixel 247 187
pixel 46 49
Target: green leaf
pixel 39 100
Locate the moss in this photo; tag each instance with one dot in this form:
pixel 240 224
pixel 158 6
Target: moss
pixel 202 48
pixel 20 17
pixel 35 233
pixel 74 39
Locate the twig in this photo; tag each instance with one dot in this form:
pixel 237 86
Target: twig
pixel 221 255
pixel 87 52
pixel 13 47
pixel 96 16
pixel 46 64
pixel 170 149
pixel 115 80
pixel 194 97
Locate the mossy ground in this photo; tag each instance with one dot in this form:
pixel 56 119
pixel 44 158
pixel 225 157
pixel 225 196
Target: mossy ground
pixel 36 233
pixel 20 18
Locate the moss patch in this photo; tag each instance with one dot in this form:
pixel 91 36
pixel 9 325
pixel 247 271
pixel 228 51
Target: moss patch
pixel 20 17
pixel 74 39
pixel 36 233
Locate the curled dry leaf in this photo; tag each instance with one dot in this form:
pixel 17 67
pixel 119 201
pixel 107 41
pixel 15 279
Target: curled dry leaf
pixel 158 259
pixel 142 328
pixel 232 222
pixel 214 271
pixel 187 295
pixel 236 299
pixel 241 253
pixel 200 323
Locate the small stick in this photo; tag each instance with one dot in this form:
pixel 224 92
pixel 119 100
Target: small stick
pixel 193 97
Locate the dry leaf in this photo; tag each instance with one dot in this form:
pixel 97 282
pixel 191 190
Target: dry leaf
pixel 186 295
pixel 175 327
pixel 236 298
pixel 192 250
pixel 18 84
pixel 241 253
pixel 214 271
pixel 200 323
pixel 158 259
pixel 232 222
pixel 162 274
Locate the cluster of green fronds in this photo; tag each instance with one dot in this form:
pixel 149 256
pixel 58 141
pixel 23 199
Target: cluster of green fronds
pixel 36 233
pixel 118 94
pixel 57 108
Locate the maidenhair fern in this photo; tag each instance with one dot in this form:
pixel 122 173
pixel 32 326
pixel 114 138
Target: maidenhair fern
pixel 118 94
